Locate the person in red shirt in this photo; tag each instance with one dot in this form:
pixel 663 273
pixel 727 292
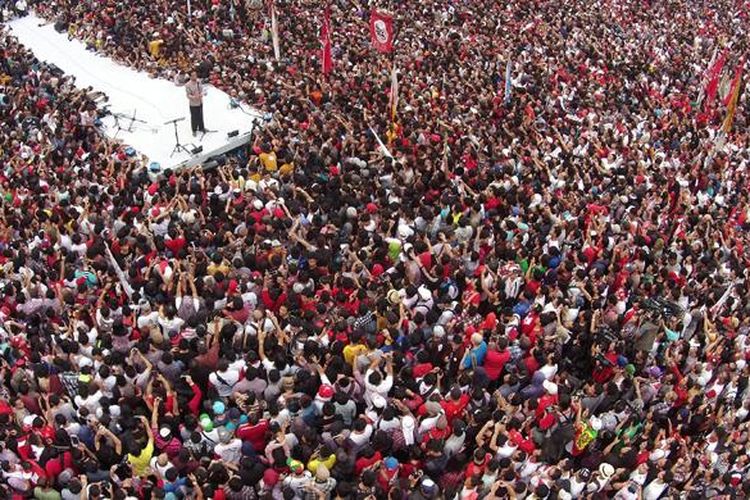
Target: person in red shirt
pixel 368 458
pixel 194 404
pixel 423 366
pixel 176 241
pixel 255 431
pixel 455 404
pixel 479 464
pixel 497 355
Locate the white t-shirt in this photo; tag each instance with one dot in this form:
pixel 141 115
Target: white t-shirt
pixel 360 439
pixel 170 325
pixel 506 451
pixel 91 402
pixel 147 320
pixel 654 489
pixel 382 388
pixel 224 386
pixel 231 451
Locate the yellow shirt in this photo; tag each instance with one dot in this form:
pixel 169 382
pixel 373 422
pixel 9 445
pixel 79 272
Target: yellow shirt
pixel 286 169
pixel 352 351
pixel 329 462
pixel 154 48
pixel 213 269
pixel 140 463
pixel 269 161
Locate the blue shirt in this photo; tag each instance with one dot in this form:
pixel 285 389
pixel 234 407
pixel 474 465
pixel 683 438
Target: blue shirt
pixel 478 353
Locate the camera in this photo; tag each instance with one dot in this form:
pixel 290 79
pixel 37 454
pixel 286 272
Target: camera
pixel 4 100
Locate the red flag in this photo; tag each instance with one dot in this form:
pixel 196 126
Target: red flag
pixel 325 40
pixel 381 31
pixel 713 79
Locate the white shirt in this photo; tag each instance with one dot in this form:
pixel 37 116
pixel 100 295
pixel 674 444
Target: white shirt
pixel 225 386
pixel 231 451
pixel 549 371
pixel 382 388
pixel 654 489
pixel 506 451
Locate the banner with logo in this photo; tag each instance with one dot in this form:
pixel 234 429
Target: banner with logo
pixel 381 31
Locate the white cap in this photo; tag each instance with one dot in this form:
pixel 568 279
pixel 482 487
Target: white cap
pixel 550 387
pixel 378 401
pixel 595 423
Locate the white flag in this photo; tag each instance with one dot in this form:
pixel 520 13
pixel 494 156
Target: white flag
pixel 383 149
pixel 394 93
pixel 118 271
pixel 275 33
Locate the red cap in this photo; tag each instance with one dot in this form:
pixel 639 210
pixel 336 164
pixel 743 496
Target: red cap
pixel 377 270
pixel 270 477
pixel 325 391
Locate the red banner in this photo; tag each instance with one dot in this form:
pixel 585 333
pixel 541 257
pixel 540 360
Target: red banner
pixel 381 31
pixel 713 80
pixel 325 40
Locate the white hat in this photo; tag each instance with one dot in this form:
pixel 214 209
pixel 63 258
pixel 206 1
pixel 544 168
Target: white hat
pixel 438 331
pixel 424 293
pixel 595 423
pixel 257 205
pixel 404 231
pixel 394 297
pixel 536 199
pixel 606 470
pixel 550 387
pixel 657 455
pixel 378 401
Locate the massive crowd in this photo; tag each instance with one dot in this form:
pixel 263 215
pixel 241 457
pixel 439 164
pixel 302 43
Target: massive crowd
pixel 538 295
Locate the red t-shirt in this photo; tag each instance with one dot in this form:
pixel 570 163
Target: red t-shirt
pixel 454 408
pixel 363 462
pixel 175 245
pixel 421 369
pixel 494 363
pixel 255 434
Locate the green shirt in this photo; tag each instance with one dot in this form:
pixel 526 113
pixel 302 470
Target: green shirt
pixel 46 494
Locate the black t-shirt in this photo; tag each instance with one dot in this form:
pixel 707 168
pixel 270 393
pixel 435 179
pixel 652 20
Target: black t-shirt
pixel 107 455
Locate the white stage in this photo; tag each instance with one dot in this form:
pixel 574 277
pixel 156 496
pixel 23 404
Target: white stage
pixel 154 101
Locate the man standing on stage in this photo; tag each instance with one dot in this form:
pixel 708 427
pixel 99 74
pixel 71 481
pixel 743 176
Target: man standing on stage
pixel 194 91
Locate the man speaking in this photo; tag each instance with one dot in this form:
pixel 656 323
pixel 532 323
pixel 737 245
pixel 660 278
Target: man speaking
pixel 194 91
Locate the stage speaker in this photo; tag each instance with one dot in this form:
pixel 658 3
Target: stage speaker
pixel 233 133
pixel 196 150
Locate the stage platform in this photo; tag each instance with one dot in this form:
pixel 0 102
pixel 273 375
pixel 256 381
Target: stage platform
pixel 132 93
